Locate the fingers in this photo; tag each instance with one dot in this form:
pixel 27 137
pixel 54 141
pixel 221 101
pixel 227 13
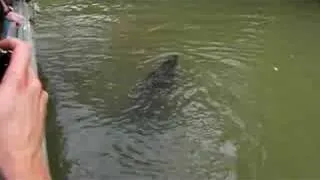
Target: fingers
pixel 20 60
pixel 31 76
pixel 20 72
pixel 44 101
pixel 35 89
pixel 43 106
pixel 15 17
pixel 10 43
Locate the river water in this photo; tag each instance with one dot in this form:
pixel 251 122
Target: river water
pixel 244 106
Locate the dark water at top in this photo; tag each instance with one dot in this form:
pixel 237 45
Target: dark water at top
pixel 244 104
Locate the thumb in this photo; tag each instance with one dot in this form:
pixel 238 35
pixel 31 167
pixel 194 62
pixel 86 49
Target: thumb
pixel 16 72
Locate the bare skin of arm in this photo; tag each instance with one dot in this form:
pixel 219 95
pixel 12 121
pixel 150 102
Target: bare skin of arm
pixel 22 113
pixel 4 5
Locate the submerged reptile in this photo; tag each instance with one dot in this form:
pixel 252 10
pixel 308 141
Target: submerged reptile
pixel 149 109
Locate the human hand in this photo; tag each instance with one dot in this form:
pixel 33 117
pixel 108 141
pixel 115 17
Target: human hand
pixel 22 113
pixel 15 17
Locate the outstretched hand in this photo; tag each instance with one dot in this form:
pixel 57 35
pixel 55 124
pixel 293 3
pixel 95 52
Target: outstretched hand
pixel 22 113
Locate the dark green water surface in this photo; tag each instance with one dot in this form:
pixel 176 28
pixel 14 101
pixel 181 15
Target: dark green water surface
pixel 245 104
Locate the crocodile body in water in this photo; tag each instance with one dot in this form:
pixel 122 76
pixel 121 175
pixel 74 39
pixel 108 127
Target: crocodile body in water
pixel 149 109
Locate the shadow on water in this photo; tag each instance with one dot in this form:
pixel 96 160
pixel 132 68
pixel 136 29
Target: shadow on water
pixel 59 166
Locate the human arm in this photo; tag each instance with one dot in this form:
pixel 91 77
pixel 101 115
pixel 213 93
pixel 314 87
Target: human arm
pixel 5 7
pixel 11 15
pixel 22 113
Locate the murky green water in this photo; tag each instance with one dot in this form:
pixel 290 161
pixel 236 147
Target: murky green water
pixel 245 105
